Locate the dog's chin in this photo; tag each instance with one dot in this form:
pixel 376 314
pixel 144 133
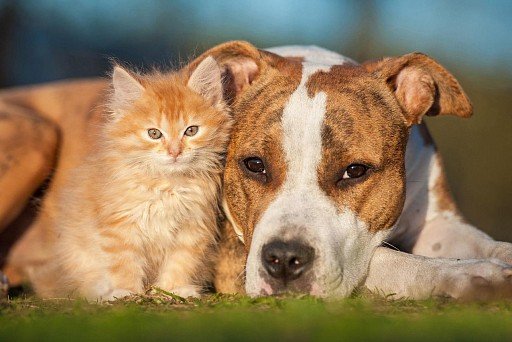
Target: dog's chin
pixel 264 288
pixel 330 284
pixel 265 285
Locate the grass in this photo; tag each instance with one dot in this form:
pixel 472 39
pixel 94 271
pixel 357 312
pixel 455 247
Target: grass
pixel 161 316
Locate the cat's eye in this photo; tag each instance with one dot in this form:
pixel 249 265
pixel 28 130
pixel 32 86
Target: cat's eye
pixel 154 133
pixel 191 131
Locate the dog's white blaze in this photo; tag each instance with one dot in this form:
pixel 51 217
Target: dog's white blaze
pixel 301 210
pixel 302 125
pixel 312 54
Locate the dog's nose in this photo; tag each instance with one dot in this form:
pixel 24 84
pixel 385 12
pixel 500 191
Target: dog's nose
pixel 287 261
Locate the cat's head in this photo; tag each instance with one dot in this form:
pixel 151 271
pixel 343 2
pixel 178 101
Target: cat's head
pixel 165 123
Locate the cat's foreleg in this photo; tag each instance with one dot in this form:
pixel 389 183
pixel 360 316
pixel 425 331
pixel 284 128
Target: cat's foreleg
pixel 178 273
pixel 184 270
pixel 124 274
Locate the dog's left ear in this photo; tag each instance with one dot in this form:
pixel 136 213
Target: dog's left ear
pixel 240 63
pixel 421 86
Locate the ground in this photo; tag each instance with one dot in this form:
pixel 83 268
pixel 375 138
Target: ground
pixel 162 316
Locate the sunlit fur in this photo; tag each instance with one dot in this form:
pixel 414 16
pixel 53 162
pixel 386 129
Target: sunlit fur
pixel 132 216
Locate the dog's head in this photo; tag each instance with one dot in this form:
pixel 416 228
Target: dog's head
pixel 315 174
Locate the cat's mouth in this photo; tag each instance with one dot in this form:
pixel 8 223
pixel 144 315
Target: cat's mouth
pixel 183 163
pixel 179 161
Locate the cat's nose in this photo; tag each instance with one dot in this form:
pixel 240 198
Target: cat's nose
pixel 174 152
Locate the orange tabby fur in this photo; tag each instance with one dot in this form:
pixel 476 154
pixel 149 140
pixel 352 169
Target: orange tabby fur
pixel 132 215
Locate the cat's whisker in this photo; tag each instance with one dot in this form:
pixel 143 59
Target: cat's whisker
pixel 390 245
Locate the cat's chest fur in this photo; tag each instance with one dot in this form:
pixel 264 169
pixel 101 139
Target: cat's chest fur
pixel 160 210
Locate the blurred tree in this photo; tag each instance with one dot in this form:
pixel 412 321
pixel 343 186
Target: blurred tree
pixel 362 44
pixel 7 19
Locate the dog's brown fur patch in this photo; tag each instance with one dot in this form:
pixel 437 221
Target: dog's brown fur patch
pixel 442 192
pixel 257 132
pixel 363 125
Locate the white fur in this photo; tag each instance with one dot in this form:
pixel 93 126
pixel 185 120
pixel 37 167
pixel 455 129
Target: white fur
pixel 400 275
pixel 312 54
pixel 423 223
pixel 419 161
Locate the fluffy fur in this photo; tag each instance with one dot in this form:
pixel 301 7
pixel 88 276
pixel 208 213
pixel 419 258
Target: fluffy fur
pixel 143 210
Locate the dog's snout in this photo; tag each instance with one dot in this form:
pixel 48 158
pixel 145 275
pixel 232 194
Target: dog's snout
pixel 287 261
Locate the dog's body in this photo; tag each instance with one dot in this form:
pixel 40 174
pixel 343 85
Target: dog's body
pixel 306 124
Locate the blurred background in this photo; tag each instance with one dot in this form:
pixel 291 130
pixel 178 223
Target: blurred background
pixel 48 40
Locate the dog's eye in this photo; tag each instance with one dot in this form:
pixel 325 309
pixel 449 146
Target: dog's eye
pixel 191 131
pixel 154 133
pixel 255 164
pixel 355 171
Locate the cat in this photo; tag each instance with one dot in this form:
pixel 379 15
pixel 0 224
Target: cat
pixel 142 209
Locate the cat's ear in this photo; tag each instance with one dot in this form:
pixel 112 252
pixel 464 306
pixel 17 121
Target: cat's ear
pixel 127 88
pixel 206 80
pixel 242 64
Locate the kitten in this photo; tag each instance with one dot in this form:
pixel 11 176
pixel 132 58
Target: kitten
pixel 143 208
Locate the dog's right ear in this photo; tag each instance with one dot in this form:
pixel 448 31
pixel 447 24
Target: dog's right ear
pixel 241 64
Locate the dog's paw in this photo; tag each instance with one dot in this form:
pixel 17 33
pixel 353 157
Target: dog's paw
pixel 477 280
pixel 502 251
pixel 187 291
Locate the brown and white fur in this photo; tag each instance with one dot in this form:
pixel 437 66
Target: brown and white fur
pixel 308 113
pixel 143 210
pixel 326 113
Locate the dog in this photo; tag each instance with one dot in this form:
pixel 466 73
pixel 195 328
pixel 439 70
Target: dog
pixel 329 160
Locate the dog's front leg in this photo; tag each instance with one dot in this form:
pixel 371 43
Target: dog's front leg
pixel 448 236
pixel 400 275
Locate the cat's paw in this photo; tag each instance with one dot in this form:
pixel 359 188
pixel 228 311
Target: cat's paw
pixel 477 280
pixel 187 291
pixel 116 294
